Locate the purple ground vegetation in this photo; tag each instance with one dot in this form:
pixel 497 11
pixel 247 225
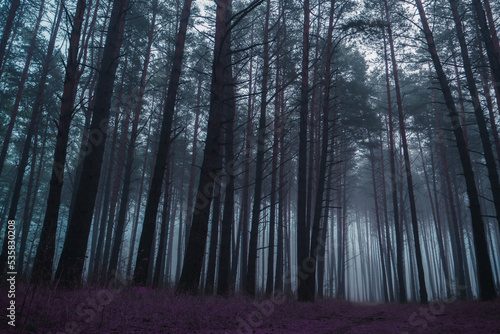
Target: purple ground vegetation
pixel 143 310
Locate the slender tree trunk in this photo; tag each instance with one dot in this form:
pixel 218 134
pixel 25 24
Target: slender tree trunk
pixel 245 197
pixel 193 170
pixel 280 134
pixel 377 218
pixel 485 273
pixel 72 258
pixel 259 166
pixel 42 266
pixel 274 180
pixel 148 229
pixel 302 232
pixel 478 112
pixel 214 240
pixel 195 250
pixel 397 224
pixel 120 223
pixel 165 221
pixel 228 215
pixel 409 177
pixel 315 243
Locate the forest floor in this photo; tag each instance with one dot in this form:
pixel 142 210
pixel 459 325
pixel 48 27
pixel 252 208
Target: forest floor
pixel 141 310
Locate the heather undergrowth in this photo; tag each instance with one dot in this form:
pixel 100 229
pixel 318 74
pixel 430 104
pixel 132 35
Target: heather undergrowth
pixel 126 310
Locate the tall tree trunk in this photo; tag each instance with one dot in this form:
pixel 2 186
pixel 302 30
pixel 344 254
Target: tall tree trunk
pixel 120 223
pixel 485 273
pixel 245 197
pixel 274 180
pixel 390 255
pixel 315 243
pixel 259 165
pixel 73 255
pixel 377 218
pixel 478 112
pixel 409 177
pixel 435 212
pixel 148 229
pixel 302 232
pixel 229 110
pixel 193 170
pixel 195 250
pixel 42 266
pixel 397 223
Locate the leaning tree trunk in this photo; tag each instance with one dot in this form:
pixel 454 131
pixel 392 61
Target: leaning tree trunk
pixel 485 273
pixel 42 266
pixel 73 254
pixel 409 177
pixel 491 51
pixel 148 229
pixel 120 222
pixel 478 112
pixel 195 250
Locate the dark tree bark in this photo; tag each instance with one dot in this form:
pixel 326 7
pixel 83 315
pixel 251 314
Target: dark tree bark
pixel 398 228
pixel 274 180
pixel 165 221
pixel 377 218
pixel 280 134
pixel 259 165
pixel 148 229
pixel 317 243
pixel 245 197
pixel 478 112
pixel 195 250
pixel 493 54
pixel 228 215
pixel 407 164
pixel 302 232
pixel 108 223
pixel 485 273
pixel 42 266
pixel 214 240
pixel 390 255
pixel 98 237
pixel 73 254
pixel 120 223
pixel 193 170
